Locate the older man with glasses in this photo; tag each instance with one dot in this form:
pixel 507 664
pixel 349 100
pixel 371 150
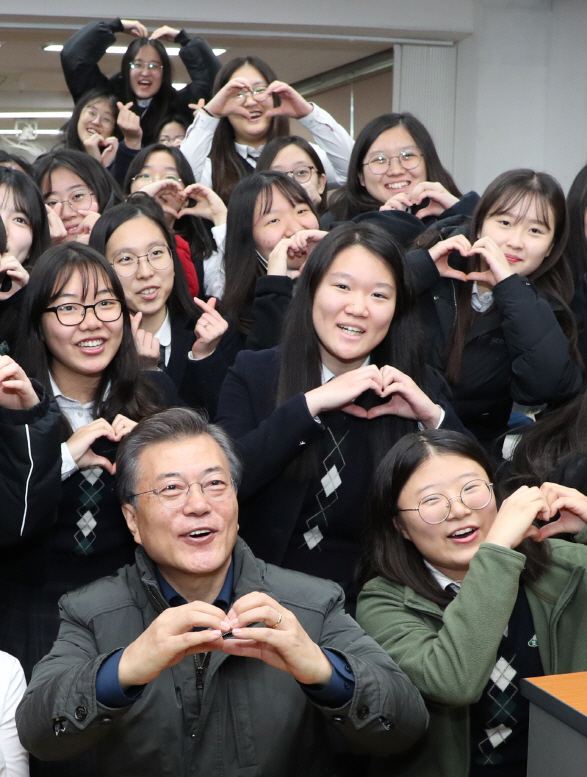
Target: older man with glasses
pixel 200 658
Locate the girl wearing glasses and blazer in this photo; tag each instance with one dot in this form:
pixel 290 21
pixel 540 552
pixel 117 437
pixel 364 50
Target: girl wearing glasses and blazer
pixel 468 596
pixel 146 73
pixel 76 341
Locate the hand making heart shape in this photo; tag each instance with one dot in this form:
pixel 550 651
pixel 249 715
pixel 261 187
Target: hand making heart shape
pixel 490 252
pixel 406 398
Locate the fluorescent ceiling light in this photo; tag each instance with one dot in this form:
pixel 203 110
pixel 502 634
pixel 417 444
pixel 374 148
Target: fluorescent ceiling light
pixel 173 51
pixel 35 114
pixel 178 86
pixel 38 132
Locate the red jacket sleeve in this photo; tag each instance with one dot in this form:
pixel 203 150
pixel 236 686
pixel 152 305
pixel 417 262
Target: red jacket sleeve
pixel 185 256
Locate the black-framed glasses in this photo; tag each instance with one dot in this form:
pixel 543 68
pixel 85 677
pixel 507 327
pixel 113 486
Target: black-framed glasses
pixel 302 173
pixel 379 163
pixel 127 263
pixel 435 508
pixel 80 199
pixel 174 493
pixel 138 65
pixel 73 313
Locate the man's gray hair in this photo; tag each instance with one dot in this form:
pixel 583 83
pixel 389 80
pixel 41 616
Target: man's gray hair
pixel 177 423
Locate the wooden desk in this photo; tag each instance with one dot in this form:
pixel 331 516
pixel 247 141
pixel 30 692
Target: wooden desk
pixel 557 741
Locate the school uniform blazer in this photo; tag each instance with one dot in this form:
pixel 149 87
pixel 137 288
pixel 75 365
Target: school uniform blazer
pixel 268 439
pixel 198 382
pixel 515 352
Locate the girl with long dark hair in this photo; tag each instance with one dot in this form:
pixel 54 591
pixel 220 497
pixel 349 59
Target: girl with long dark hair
pixel 77 189
pixel 104 128
pixel 175 333
pixel 249 108
pixel 499 326
pixel 395 166
pixel 146 73
pixel 468 595
pixel 76 341
pixel 196 214
pixel 347 382
pixel 577 253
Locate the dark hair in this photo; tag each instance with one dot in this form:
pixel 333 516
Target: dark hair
pixel 162 101
pixel 122 388
pixel 70 136
pixel 9 160
pixel 353 198
pixel 191 228
pixel 273 148
pixel 228 167
pixel 548 444
pixel 180 301
pixel 241 261
pixel 553 276
pixel 176 423
pixel 91 172
pixel 178 118
pixel 300 369
pixel 387 553
pixel 577 245
pixel 29 200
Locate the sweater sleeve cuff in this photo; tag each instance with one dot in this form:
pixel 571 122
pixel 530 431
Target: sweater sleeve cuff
pixel 339 691
pixel 109 692
pixel 115 25
pixel 182 38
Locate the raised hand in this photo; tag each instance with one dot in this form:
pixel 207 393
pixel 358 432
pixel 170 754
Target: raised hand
pixel 226 101
pixel 102 149
pixel 400 201
pixel 147 344
pixel 130 125
pixel 14 269
pixel 84 230
pixel 134 28
pixel 440 198
pixel 80 445
pixel 57 229
pixel 168 193
pixel 209 329
pixel 169 639
pixel 499 268
pixel 513 522
pixel 208 204
pixel 16 390
pixel 281 643
pixel 165 33
pixel 441 252
pixel 292 103
pixel 406 399
pixel 197 107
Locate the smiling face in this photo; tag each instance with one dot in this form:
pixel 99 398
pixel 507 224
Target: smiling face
pixel 283 219
pixel 252 130
pixel 292 158
pixel 87 348
pixel 353 308
pixel 146 82
pixel 17 224
pixel 448 546
pixel 63 187
pixel 96 118
pixel 395 179
pixel 172 134
pixel 167 534
pixel 148 289
pixel 524 233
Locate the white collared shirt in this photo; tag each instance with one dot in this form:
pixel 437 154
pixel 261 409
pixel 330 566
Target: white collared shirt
pixel 481 302
pixel 442 580
pixel 78 415
pixel 164 336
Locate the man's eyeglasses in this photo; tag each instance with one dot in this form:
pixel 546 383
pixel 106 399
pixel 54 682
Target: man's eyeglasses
pixel 435 508
pixel 174 493
pixel 73 313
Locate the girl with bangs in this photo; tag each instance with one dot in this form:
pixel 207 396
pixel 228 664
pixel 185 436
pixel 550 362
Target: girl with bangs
pixel 76 344
pixel 496 303
pixel 271 229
